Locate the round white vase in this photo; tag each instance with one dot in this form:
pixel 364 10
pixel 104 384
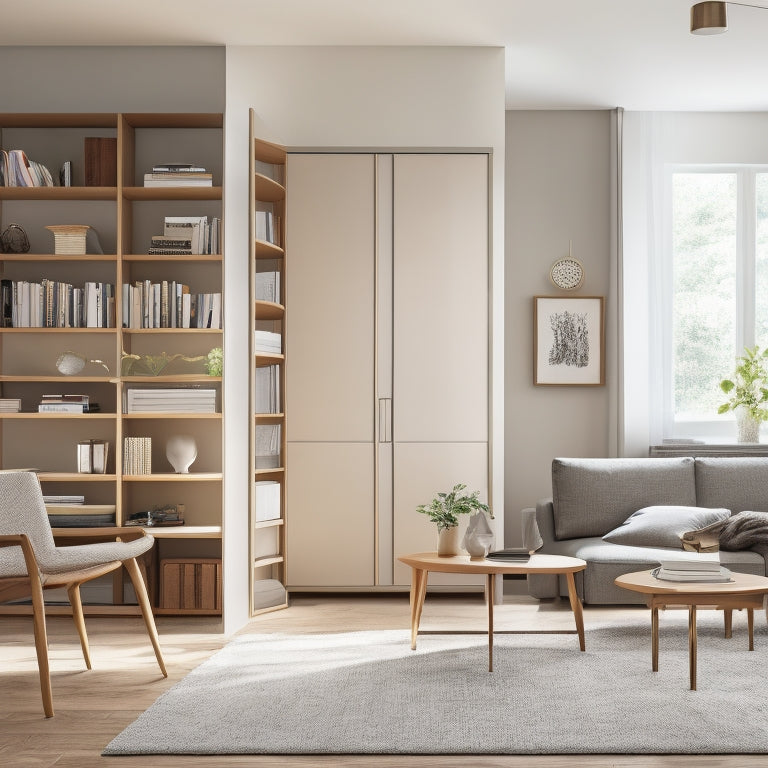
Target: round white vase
pixel 181 451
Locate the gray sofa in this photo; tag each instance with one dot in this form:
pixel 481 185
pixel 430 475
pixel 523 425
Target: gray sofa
pixel 592 497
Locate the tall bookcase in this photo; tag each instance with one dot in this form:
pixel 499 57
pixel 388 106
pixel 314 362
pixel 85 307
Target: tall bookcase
pixel 267 458
pixel 124 216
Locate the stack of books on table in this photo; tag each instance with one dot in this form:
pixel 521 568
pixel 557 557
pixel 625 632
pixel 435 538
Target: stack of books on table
pixel 67 404
pixel 10 404
pixel 705 568
pixel 137 456
pixel 171 400
pixel 178 175
pixel 268 342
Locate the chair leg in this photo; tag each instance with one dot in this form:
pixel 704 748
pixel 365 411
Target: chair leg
pixel 73 592
pixel 146 609
pixel 41 644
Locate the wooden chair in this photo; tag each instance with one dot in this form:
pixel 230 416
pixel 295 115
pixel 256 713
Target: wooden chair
pixel 30 562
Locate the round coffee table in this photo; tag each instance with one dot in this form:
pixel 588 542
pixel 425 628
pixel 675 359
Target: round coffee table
pixel 424 562
pixel 744 591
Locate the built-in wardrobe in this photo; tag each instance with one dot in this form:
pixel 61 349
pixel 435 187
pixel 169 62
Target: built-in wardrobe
pixel 387 370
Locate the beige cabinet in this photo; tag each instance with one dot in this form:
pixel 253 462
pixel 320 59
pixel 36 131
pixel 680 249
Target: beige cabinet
pixel 388 367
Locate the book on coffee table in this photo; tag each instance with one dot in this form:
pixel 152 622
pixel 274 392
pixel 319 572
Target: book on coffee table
pixel 511 555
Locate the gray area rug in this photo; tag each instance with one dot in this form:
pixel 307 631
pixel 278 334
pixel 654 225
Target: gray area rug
pixel 367 692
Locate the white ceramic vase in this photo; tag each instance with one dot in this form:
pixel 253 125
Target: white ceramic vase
pixel 181 451
pixel 448 542
pixel 748 428
pixel 478 538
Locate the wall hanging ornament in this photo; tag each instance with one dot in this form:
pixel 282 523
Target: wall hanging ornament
pixel 567 273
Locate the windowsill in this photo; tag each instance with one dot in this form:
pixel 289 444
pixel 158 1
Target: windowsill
pixel 707 448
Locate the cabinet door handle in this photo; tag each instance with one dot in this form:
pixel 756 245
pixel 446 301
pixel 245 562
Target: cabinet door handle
pixel 385 419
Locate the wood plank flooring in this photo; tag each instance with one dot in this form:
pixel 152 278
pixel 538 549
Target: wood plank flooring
pixel 92 707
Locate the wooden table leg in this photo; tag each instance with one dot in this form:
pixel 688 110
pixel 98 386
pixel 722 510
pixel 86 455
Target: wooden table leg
pixel 728 621
pixel 751 627
pixel 418 592
pixel 490 588
pixel 655 638
pixel 578 613
pixel 692 644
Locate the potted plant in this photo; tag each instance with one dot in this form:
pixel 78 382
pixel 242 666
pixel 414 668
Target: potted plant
pixel 748 390
pixel 444 511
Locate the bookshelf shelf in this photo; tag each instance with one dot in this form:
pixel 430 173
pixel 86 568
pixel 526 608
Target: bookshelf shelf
pixel 268 190
pixel 126 216
pixel 265 358
pixel 269 310
pixel 265 250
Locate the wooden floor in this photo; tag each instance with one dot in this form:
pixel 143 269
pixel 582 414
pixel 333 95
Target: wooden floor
pixel 93 707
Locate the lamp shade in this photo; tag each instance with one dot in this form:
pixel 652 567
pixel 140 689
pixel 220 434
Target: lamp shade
pixel 708 18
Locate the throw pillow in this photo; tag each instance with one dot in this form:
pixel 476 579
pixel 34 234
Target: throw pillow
pixel 662 526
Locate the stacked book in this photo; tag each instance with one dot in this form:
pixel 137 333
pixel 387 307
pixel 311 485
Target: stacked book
pixel 17 170
pixel 63 498
pixel 67 404
pixel 170 400
pixel 267 389
pixel 80 515
pixel 178 175
pixel 69 239
pixel 267 500
pixel 10 404
pixel 704 568
pixel 267 342
pixel 267 446
pixel 186 236
pixel 267 286
pixel 137 456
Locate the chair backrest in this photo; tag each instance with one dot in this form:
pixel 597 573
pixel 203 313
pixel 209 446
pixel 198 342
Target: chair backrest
pixel 22 510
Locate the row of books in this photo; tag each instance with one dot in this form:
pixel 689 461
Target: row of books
pixel 169 400
pixel 268 342
pixel 178 175
pixel 186 236
pixel 137 456
pixel 67 404
pixel 267 389
pixel 267 286
pixel 92 456
pixel 17 170
pixel 267 446
pixel 267 227
pixel 56 304
pixel 169 304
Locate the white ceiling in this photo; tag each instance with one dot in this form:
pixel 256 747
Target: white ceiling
pixel 575 54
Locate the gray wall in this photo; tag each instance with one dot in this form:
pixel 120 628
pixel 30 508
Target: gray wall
pixel 557 190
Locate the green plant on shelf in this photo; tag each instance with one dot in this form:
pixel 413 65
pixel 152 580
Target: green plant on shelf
pixel 214 364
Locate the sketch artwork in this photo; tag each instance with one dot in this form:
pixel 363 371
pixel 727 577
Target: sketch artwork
pixel 570 339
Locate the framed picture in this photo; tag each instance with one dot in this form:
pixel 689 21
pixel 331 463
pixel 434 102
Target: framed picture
pixel 568 340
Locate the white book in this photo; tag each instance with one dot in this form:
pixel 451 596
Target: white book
pixel 267 498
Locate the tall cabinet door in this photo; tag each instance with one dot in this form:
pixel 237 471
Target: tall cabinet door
pixel 441 337
pixel 330 370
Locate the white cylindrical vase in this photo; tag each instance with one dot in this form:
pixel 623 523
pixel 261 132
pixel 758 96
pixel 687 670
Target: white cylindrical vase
pixel 181 451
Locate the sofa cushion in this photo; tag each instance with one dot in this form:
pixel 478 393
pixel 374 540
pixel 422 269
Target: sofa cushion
pixel 738 483
pixel 593 496
pixel 662 526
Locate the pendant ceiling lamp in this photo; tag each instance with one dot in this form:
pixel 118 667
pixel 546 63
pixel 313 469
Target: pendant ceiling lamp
pixel 710 18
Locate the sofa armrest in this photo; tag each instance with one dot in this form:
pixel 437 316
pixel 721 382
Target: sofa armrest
pixel 545 520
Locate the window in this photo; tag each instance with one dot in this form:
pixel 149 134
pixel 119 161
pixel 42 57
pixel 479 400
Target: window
pixel 715 272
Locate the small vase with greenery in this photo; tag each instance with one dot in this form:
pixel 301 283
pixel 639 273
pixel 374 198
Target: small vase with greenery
pixel 748 393
pixel 444 511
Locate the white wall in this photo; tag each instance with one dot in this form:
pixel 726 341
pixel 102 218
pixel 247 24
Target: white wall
pixel 372 98
pixel 557 190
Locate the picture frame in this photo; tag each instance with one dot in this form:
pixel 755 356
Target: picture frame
pixel 569 341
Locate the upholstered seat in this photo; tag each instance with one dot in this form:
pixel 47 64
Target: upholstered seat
pixel 30 562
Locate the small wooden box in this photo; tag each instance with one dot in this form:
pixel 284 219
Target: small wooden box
pixel 190 584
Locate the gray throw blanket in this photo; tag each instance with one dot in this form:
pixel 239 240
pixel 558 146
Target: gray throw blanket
pixel 744 530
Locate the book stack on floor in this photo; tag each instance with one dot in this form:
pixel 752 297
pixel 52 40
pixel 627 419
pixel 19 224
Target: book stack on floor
pixel 178 175
pixel 704 568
